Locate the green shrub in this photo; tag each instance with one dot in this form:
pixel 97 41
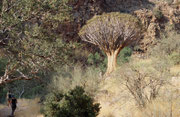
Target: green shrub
pixel 124 55
pixel 157 13
pixel 75 103
pixel 98 60
pixel 95 59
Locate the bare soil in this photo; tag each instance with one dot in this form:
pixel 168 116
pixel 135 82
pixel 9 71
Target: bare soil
pixel 25 108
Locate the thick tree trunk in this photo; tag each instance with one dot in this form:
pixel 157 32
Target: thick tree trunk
pixel 112 61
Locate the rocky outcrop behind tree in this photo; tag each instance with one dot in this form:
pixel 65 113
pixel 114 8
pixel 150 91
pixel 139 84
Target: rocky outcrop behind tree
pixel 161 18
pixel 155 16
pixel 83 10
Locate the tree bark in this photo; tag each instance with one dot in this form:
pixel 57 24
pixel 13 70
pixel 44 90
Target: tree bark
pixel 112 61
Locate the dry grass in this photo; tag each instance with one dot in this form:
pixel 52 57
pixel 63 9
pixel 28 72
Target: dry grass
pixel 116 101
pixel 160 108
pixel 78 77
pixel 25 108
pixel 175 69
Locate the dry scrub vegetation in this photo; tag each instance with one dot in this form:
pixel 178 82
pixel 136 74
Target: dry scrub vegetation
pixel 139 90
pixel 145 87
pixel 70 78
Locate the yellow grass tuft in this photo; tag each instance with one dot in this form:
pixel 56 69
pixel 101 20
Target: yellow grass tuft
pixel 175 69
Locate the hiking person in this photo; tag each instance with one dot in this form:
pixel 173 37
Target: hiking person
pixel 8 97
pixel 13 104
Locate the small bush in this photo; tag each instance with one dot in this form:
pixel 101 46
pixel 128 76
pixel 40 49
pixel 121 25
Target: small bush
pixel 124 55
pixel 97 60
pixel 168 48
pixel 175 57
pixel 144 80
pixel 166 106
pixel 75 103
pixel 158 13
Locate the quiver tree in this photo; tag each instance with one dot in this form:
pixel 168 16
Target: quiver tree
pixel 111 32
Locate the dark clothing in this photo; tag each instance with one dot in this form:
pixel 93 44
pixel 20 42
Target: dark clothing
pixel 13 109
pixel 13 102
pixel 9 95
pixel 13 105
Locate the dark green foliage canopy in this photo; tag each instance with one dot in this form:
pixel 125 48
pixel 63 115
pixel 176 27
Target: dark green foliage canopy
pixel 29 39
pixel 76 103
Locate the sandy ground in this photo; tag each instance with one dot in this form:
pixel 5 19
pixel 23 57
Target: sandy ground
pixel 25 108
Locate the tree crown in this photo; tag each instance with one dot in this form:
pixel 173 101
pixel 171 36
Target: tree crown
pixel 111 31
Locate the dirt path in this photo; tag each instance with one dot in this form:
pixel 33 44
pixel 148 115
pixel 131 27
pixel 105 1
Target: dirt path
pixel 5 112
pixel 25 108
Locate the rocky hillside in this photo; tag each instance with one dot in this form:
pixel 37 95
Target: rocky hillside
pixel 162 17
pixel 156 16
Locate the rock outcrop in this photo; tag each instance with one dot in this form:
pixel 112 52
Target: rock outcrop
pixel 146 10
pixel 161 18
